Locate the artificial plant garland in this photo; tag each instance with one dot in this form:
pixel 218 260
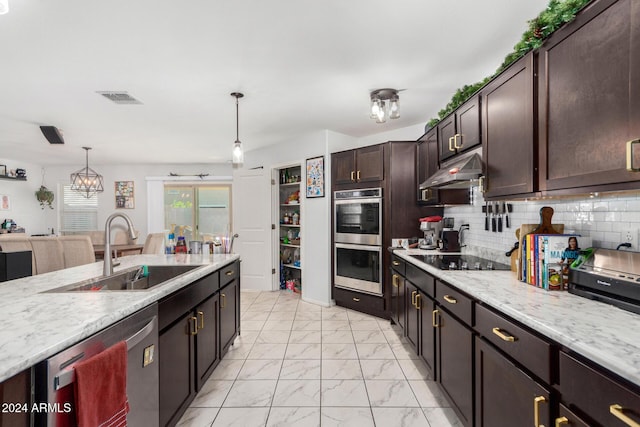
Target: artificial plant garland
pixel 557 13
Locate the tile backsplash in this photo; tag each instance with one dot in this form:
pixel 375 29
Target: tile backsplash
pixel 603 217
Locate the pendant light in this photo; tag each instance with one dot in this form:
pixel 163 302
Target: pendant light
pixel 238 155
pixel 86 180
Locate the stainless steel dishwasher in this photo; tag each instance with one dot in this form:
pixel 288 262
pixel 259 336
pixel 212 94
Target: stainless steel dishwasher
pixel 140 331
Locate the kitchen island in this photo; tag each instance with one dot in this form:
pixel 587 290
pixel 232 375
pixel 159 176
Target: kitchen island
pixel 35 325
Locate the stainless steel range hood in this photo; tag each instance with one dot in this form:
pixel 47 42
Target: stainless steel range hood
pixel 461 172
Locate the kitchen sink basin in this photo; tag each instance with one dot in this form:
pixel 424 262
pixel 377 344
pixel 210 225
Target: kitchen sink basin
pixel 131 279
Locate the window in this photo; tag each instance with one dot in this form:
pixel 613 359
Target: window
pixel 199 211
pixel 79 214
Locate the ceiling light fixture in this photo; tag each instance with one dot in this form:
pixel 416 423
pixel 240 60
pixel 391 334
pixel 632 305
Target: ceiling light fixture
pixel 86 180
pixel 380 109
pixel 238 155
pixel 4 7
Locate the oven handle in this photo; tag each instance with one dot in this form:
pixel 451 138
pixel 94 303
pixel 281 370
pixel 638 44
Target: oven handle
pixel 359 247
pixel 357 201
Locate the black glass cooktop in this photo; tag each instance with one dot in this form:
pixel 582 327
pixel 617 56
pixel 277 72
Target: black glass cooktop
pixel 461 262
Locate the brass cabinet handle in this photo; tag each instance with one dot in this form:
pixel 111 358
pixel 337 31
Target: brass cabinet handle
pixel 455 140
pixel 618 412
pixel 451 145
pixel 427 194
pixel 418 307
pixel 396 263
pixel 481 185
pixel 561 421
pixel 434 315
pixel 201 316
pixel 224 300
pixel 358 176
pixel 536 410
pixel 229 273
pixel 413 298
pixel 356 299
pixel 503 336
pixel 193 323
pixel 630 145
pixel 394 280
pixel 353 173
pixel 450 299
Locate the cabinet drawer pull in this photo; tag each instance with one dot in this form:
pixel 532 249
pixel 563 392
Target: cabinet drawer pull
pixel 193 325
pixel 536 410
pixel 224 300
pixel 450 299
pixel 394 280
pixel 201 316
pixel 481 185
pixel 358 176
pixel 413 298
pixel 396 263
pixel 434 315
pixel 455 140
pixel 561 421
pixel 418 307
pixel 630 166
pixel 353 175
pixel 356 299
pixel 451 144
pixel 503 336
pixel 618 412
pixel 229 273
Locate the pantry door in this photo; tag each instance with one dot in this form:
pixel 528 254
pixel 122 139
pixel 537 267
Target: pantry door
pixel 251 195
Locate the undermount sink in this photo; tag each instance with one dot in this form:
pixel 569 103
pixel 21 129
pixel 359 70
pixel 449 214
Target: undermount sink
pixel 131 279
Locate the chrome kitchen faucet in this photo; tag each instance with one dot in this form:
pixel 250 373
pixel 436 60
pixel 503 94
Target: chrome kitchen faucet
pixel 108 262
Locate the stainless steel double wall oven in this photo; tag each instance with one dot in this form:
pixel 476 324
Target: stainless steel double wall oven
pixel 358 240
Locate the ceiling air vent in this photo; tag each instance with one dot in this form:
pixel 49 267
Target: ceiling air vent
pixel 120 97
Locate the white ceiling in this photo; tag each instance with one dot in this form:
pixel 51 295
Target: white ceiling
pixel 303 66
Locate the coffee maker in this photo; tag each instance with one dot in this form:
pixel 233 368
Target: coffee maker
pixel 450 237
pixel 431 226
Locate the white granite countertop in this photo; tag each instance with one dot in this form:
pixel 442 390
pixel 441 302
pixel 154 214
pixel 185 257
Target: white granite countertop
pixel 607 335
pixel 36 325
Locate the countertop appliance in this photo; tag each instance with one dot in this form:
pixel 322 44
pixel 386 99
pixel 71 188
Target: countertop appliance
pixel 608 276
pixel 431 226
pixel 460 262
pixel 140 332
pixel 358 216
pixel 450 241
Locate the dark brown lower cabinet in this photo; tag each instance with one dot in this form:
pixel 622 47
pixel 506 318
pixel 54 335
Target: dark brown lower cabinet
pixel 397 292
pixel 229 315
pixel 177 369
pixel 412 326
pixel 427 342
pixel 454 347
pixel 206 340
pixel 567 418
pixel 16 391
pixel 506 396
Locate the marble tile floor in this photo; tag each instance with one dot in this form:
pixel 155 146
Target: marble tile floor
pixel 300 364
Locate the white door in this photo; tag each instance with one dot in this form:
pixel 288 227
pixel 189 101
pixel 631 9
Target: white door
pixel 251 202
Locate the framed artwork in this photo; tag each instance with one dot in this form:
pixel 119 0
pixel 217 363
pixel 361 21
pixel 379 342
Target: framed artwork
pixel 124 195
pixel 5 202
pixel 315 177
pixel 3 170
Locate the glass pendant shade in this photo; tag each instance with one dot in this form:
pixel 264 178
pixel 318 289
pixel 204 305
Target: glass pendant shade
pixel 381 116
pixel 394 109
pixel 4 7
pixel 86 180
pixel 238 155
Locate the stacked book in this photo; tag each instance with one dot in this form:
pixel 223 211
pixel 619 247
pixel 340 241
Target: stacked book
pixel 546 258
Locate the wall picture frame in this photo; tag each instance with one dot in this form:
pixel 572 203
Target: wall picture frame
pixel 124 192
pixel 315 177
pixel 5 202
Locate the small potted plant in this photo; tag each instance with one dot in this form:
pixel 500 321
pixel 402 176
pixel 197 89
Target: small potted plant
pixel 45 197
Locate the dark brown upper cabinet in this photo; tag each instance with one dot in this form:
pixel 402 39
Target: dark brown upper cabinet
pixel 362 165
pixel 589 99
pixel 508 131
pixel 460 130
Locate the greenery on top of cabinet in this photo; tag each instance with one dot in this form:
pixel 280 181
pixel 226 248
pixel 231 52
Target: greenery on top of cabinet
pixel 557 13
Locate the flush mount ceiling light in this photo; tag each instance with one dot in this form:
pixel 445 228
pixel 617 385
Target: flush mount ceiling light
pixel 4 7
pixel 238 155
pixel 385 103
pixel 86 180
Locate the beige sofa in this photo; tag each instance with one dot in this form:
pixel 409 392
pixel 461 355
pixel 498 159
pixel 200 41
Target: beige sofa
pixel 51 253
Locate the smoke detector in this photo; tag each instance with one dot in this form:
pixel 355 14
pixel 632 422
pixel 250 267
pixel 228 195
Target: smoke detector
pixel 119 97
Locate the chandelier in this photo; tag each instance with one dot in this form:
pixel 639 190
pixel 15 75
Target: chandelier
pixel 385 103
pixel 86 180
pixel 238 156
